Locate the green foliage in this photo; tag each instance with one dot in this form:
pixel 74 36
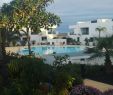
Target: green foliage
pixel 28 14
pixel 60 60
pixel 90 50
pixel 71 41
pixel 1 84
pixel 30 76
pixel 100 29
pixel 16 65
pixel 26 74
pixel 12 37
pixel 107 60
pixel 106 43
pixel 94 71
pixel 62 82
pixel 11 91
pixel 104 48
pixel 75 71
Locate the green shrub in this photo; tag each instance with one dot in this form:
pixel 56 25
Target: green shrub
pixel 62 82
pixel 28 74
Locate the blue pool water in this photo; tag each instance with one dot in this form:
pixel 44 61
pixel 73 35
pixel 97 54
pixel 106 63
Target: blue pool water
pixel 51 49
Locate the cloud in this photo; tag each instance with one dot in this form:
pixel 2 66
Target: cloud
pixel 71 11
pixel 65 6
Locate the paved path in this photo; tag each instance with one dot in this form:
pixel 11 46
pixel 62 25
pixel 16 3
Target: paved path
pixel 99 85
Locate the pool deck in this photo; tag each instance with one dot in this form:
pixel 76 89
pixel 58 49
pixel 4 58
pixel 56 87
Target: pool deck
pixel 99 85
pixel 14 49
pixel 80 58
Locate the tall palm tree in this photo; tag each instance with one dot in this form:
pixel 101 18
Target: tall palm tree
pixel 100 29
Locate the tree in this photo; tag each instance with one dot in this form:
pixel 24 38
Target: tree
pixel 31 16
pixel 6 25
pixel 26 16
pixel 105 48
pixel 107 45
pixel 3 28
pixel 100 29
pixel 86 41
pixel 71 41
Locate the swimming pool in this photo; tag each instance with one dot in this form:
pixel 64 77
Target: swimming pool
pixel 45 50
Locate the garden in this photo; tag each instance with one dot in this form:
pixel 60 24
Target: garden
pixel 27 75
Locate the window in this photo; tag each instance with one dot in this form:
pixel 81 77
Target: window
pixel 78 39
pixel 94 21
pixel 85 31
pixel 44 38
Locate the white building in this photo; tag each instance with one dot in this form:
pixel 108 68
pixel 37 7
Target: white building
pixel 87 30
pixel 46 37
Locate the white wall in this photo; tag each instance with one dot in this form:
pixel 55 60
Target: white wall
pixel 38 39
pixel 45 32
pixel 57 41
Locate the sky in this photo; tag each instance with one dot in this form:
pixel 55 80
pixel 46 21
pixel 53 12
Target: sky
pixel 71 11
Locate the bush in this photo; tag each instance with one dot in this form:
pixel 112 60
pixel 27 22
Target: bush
pixel 108 92
pixel 62 82
pixel 29 76
pixel 94 70
pixel 26 74
pixel 73 70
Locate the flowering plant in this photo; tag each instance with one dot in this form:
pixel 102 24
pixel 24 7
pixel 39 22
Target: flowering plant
pixel 85 90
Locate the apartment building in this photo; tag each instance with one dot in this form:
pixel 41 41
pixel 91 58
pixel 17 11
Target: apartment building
pixel 86 30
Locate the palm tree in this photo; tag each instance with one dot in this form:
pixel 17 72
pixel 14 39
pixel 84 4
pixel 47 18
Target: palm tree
pixel 100 29
pixel 105 48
